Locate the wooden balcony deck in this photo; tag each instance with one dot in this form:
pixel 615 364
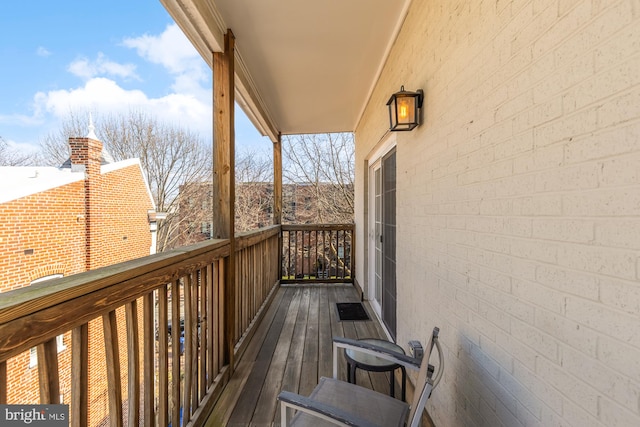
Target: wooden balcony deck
pixel 290 350
pixel 235 314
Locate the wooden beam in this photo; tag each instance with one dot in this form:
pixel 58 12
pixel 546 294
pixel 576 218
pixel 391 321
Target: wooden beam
pixel 224 176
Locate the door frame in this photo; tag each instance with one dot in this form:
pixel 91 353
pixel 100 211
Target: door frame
pixel 374 160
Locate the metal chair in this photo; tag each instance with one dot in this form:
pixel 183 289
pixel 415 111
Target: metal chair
pixel 335 402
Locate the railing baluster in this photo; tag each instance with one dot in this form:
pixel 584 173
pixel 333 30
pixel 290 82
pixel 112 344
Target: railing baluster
pixel 163 357
pixel 48 372
pixel 315 257
pixel 133 361
pixel 212 363
pixel 344 253
pixel 337 253
pixel 308 255
pixel 188 340
pixel 220 310
pixel 80 376
pixel 204 320
pixel 112 354
pixel 3 383
pixel 337 258
pixel 175 353
pixel 149 359
pixel 289 265
pixel 326 263
pixel 195 322
pixel 352 259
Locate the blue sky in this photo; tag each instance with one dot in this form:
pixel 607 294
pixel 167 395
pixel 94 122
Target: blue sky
pixel 103 57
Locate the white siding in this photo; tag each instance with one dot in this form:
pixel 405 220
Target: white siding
pixel 519 206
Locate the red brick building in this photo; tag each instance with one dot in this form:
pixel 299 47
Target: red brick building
pixel 56 222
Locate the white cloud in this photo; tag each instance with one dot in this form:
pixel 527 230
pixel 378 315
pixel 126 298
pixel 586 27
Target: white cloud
pixel 42 51
pixel 187 102
pixel 105 96
pixel 173 51
pixel 86 69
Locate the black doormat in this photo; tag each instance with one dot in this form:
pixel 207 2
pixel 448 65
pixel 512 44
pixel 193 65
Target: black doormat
pixel 351 311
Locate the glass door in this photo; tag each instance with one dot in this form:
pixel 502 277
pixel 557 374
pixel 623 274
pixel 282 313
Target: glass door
pixel 375 236
pixel 382 239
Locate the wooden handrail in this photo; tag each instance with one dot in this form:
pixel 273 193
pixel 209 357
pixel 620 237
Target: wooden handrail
pixel 27 300
pixel 319 227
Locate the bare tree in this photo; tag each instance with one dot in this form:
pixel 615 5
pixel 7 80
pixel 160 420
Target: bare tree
pixel 54 147
pixel 170 156
pixel 320 174
pixel 12 157
pixel 195 210
pixel 254 191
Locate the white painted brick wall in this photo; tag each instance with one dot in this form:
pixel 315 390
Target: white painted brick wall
pixel 519 206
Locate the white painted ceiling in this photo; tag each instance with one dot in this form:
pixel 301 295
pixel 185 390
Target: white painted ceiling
pixel 305 66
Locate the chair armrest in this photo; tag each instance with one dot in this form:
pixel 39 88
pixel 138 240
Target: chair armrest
pixel 321 410
pixel 381 352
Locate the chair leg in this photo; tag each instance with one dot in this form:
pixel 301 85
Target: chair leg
pixel 392 384
pixel 283 415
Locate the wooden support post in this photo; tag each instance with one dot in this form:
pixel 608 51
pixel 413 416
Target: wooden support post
pixel 224 176
pixel 277 181
pixel 277 195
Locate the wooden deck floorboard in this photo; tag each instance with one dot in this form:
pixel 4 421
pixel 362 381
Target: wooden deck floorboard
pixel 290 351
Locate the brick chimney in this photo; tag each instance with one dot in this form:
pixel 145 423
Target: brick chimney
pixel 86 157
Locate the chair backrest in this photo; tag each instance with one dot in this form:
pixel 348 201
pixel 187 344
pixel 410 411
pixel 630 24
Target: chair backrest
pixel 426 380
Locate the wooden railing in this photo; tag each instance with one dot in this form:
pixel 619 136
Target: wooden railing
pixel 256 267
pixel 165 325
pixel 318 253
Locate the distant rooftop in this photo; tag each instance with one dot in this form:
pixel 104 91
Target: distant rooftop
pixel 22 181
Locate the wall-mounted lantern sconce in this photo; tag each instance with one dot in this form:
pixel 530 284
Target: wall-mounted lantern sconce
pixel 404 109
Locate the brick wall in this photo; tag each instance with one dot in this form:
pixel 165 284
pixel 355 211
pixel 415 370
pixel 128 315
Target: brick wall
pixel 519 206
pixel 56 232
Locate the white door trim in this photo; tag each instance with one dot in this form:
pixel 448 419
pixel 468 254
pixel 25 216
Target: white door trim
pixel 374 161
